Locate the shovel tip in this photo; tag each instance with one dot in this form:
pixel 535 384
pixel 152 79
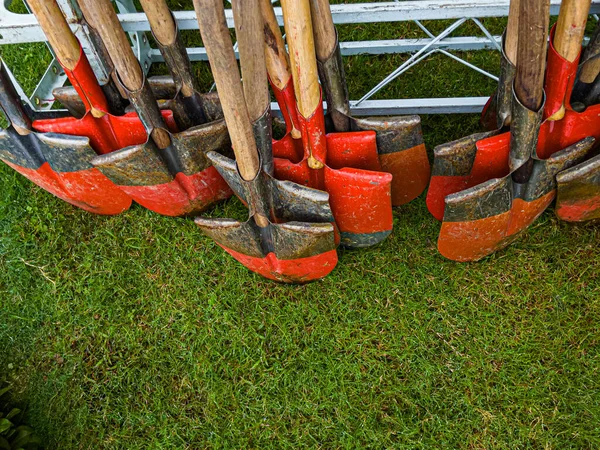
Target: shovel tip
pixel 292 271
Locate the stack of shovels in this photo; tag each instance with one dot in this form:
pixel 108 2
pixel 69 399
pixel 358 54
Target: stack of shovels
pixel 489 187
pixel 331 179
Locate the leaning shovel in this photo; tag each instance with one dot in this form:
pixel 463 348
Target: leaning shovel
pixel 346 165
pixel 280 78
pixel 488 217
pixel 58 163
pixel 288 236
pixel 578 196
pixel 464 163
pixel 399 139
pixel 170 173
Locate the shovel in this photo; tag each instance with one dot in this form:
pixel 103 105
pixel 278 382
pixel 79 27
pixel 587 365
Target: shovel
pixel 303 248
pixel 105 131
pixel 170 173
pixel 465 163
pixel 343 164
pixel 69 98
pixel 399 139
pixel 488 217
pixel 58 163
pixel 578 197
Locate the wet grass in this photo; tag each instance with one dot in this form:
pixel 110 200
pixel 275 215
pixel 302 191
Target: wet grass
pixel 137 331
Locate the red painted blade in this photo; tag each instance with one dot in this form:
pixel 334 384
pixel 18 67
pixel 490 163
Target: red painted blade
pixel 491 161
pixel 185 195
pixel 296 271
pixel 87 189
pixel 106 134
pixel 473 240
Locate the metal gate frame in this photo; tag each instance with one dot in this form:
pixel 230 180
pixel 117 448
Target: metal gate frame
pixel 23 28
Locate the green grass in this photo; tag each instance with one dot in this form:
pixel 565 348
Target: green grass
pixel 136 331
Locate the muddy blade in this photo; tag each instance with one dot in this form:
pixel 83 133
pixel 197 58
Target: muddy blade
pixel 490 216
pixel 402 153
pixel 142 172
pixel 475 238
pixel 578 198
pixel 359 193
pixel 465 163
pixel 361 205
pixel 297 253
pixel 62 166
pixel 360 200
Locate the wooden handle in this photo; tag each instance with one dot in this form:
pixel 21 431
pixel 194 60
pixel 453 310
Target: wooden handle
pixel 323 28
pixel 277 62
pixel 298 28
pixel 590 70
pixel 248 21
pixel 534 18
pixel 511 39
pixel 570 28
pixel 215 35
pixel 161 20
pixel 57 30
pixel 109 28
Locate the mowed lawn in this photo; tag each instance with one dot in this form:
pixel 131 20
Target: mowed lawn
pixel 137 332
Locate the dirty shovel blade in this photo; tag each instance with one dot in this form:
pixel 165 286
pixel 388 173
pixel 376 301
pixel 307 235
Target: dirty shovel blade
pixel 360 200
pixel 490 216
pixel 298 251
pixel 401 152
pixel 465 163
pixel 140 171
pixel 107 133
pixel 578 197
pixel 62 166
pixel 301 253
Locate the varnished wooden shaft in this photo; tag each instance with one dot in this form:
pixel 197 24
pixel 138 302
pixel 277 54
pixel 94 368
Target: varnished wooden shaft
pixel 57 30
pixel 323 28
pixel 215 35
pixel 570 28
pixel 277 62
pixel 161 21
pixel 101 15
pixel 534 19
pixel 248 21
pixel 512 32
pixel 298 29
